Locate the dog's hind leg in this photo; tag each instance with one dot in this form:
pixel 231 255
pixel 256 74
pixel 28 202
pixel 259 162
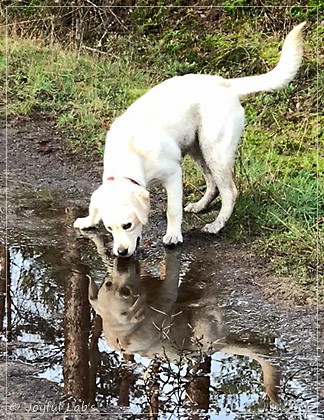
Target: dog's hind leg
pixel 218 148
pixel 211 187
pixel 228 192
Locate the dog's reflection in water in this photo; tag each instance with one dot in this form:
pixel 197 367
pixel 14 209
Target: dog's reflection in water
pixel 141 316
pixel 139 312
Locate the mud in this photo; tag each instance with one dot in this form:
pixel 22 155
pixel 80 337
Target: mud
pixel 55 359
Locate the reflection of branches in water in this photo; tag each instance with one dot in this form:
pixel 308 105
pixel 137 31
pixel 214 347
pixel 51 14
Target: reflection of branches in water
pixel 185 383
pixel 39 276
pixel 112 370
pixel 238 386
pixel 288 389
pixel 30 323
pixel 36 296
pixel 173 384
pixel 189 383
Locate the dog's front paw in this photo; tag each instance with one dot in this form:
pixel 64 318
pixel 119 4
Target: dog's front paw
pixel 82 223
pixel 172 239
pixel 214 227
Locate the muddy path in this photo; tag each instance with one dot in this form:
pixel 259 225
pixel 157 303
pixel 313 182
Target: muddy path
pixel 204 329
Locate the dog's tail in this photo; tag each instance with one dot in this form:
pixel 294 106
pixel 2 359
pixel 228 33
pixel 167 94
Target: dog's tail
pixel 282 74
pixel 270 371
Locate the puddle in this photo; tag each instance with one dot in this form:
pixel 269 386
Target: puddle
pixel 184 336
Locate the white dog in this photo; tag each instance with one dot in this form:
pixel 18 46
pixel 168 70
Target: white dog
pixel 199 115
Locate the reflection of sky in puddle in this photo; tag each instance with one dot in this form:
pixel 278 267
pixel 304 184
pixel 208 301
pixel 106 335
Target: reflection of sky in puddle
pixel 53 373
pixel 30 299
pixel 37 293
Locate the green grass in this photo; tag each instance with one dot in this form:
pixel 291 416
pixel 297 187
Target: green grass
pixel 278 211
pixel 280 207
pixel 83 93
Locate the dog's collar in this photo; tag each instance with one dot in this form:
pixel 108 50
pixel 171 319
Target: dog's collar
pixel 112 178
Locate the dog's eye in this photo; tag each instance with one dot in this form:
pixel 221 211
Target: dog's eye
pixel 109 229
pixel 127 226
pixel 125 291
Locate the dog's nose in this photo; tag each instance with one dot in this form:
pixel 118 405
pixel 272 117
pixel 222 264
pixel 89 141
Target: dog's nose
pixel 122 252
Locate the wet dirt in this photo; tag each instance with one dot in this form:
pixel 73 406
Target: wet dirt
pixel 203 328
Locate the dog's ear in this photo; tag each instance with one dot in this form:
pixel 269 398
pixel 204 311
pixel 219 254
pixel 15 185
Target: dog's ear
pixel 93 295
pixel 141 202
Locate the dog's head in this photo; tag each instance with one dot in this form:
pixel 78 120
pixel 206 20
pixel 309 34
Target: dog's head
pixel 123 207
pixel 121 299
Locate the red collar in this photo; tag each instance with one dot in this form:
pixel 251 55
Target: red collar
pixel 112 178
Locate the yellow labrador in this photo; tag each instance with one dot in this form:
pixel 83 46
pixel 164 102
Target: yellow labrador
pixel 199 115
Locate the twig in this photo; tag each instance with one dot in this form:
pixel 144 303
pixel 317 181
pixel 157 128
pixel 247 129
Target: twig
pixel 93 49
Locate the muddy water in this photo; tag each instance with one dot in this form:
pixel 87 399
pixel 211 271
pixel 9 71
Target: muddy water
pixel 172 333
